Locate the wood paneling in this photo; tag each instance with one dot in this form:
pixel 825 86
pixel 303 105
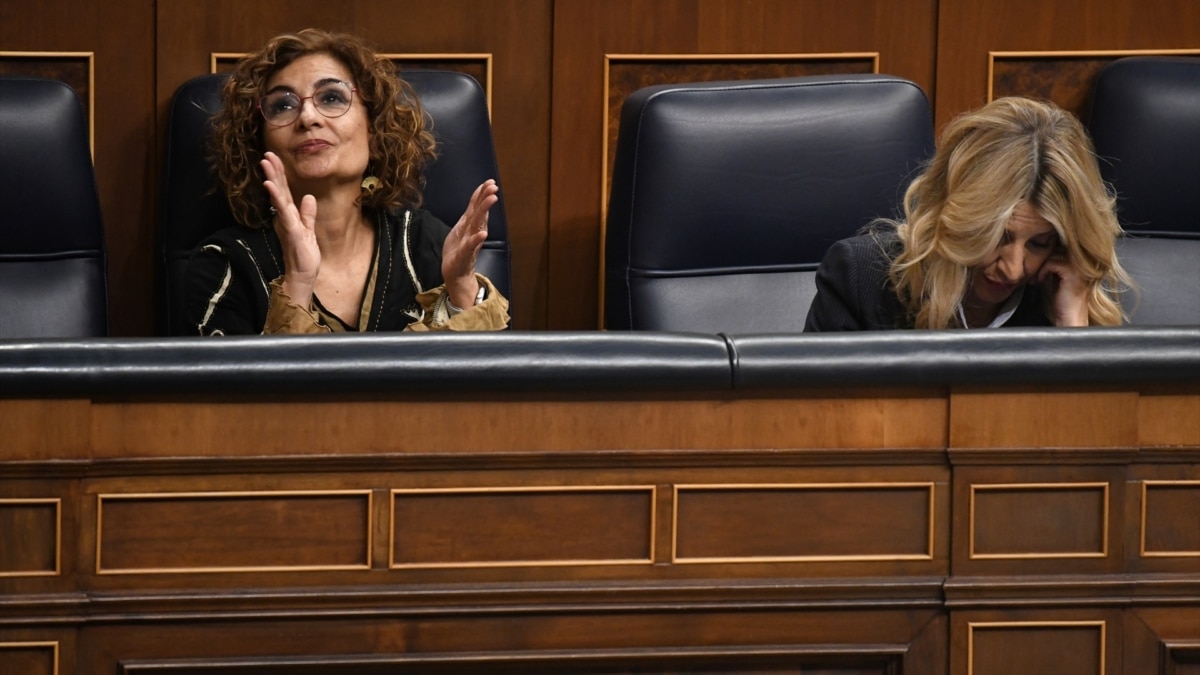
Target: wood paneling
pixel 225 532
pixel 30 530
pixel 1046 520
pixel 29 658
pixel 1170 519
pixel 586 33
pixel 1043 420
pixel 516 424
pixel 545 526
pixel 968 30
pixel 834 522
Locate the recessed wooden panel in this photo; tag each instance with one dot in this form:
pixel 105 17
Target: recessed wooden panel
pixel 1043 420
pixel 30 534
pixel 29 658
pixel 821 522
pixel 1182 657
pixel 212 532
pixel 1062 648
pixel 1064 77
pixel 1068 520
pixel 1171 519
pixel 76 69
pixel 627 73
pixel 550 526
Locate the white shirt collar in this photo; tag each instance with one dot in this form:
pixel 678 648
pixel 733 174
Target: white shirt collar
pixel 1005 313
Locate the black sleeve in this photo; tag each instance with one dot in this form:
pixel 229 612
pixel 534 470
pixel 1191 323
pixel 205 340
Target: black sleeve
pixel 219 298
pixel 845 300
pixel 429 236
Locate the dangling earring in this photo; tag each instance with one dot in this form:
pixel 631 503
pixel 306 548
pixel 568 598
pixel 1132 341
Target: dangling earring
pixel 369 184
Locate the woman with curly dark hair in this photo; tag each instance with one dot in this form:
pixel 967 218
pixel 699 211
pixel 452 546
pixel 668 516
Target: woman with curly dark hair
pixel 320 148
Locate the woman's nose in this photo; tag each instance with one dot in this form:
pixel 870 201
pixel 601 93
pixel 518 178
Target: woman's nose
pixel 308 112
pixel 1012 264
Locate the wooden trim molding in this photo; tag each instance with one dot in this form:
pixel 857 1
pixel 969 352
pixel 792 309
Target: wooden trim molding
pixel 974 626
pixel 928 520
pixel 1142 523
pixel 973 554
pixel 133 550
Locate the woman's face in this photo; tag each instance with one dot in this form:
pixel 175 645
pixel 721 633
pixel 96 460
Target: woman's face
pixel 1028 242
pixel 318 152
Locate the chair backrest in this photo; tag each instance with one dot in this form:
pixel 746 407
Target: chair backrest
pixel 1145 122
pixel 726 195
pixel 52 254
pixel 193 207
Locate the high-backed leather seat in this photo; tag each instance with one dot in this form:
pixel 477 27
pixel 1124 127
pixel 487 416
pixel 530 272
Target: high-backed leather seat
pixel 725 195
pixel 52 255
pixel 1145 122
pixel 193 207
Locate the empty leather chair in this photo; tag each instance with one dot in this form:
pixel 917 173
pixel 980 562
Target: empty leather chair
pixel 194 207
pixel 1145 122
pixel 726 195
pixel 52 255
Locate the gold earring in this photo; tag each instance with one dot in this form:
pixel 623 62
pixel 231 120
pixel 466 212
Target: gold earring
pixel 370 183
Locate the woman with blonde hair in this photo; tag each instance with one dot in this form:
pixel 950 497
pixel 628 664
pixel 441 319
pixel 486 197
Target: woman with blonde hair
pixel 1010 224
pixel 320 148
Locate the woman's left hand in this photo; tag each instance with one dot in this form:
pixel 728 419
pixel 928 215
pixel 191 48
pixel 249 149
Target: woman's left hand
pixel 1069 290
pixel 463 244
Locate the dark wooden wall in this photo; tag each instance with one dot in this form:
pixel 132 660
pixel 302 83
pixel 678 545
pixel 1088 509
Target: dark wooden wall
pixel 557 71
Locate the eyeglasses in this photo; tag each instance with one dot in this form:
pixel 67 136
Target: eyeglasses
pixel 281 108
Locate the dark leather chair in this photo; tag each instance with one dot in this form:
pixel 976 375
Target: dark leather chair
pixel 52 255
pixel 1145 122
pixel 725 195
pixel 193 207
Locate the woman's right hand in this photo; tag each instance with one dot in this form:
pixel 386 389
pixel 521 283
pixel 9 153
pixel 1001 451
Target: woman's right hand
pixel 296 228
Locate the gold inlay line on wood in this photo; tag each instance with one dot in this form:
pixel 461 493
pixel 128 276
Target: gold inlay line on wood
pixel 1102 553
pixel 972 626
pixel 993 56
pixel 215 59
pixel 90 57
pixel 678 57
pixel 1146 484
pixel 51 645
pixel 651 490
pixel 716 487
pixel 252 494
pixel 57 502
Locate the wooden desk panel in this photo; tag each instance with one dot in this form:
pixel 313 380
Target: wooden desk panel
pixel 778 531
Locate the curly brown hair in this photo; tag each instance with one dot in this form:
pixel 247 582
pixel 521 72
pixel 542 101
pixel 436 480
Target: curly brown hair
pixel 400 144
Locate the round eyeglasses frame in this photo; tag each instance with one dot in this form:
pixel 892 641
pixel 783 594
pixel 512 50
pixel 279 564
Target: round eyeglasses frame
pixel 294 115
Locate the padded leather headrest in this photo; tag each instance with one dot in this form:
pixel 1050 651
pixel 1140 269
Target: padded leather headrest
pixel 52 256
pixel 1145 122
pixel 753 177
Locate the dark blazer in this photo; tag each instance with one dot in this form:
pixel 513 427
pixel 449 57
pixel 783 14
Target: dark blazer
pixel 226 283
pixel 854 292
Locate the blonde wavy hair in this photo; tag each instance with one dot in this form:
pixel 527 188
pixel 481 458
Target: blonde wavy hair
pixel 399 143
pixel 988 161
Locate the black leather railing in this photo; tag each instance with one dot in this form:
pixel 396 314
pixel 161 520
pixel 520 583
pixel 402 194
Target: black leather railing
pixel 596 361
